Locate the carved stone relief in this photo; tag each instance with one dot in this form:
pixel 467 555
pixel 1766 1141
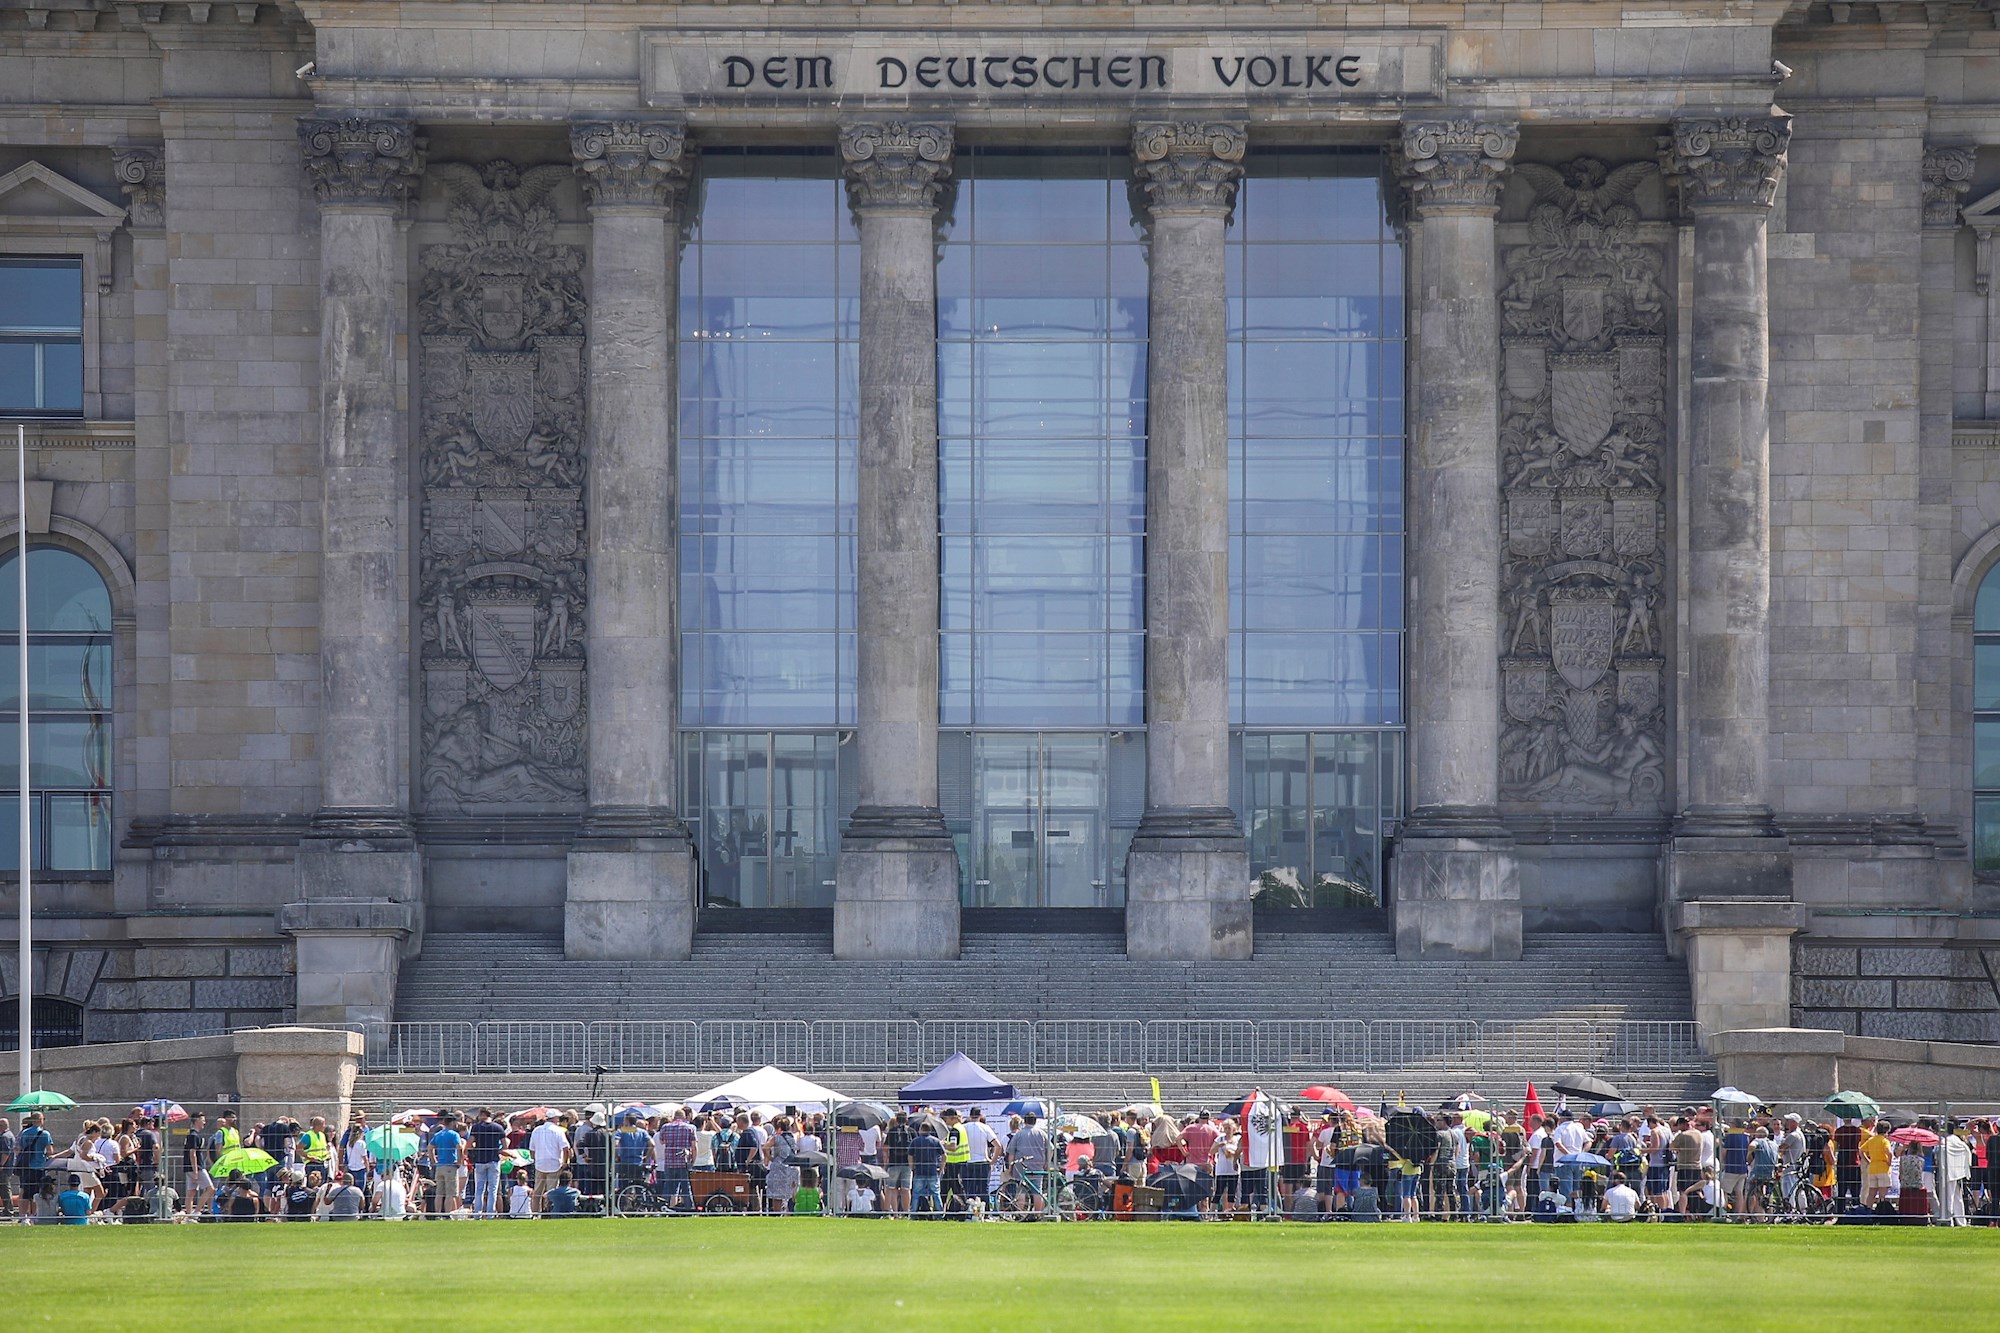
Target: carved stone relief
pixel 1583 441
pixel 502 598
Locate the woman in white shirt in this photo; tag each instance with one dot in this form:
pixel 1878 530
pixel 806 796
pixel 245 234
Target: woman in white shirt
pixel 704 1144
pixel 392 1196
pixel 1621 1202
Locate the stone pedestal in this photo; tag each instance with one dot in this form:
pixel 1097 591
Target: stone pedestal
pixel 1707 868
pixel 630 898
pixel 1456 895
pixel 1739 959
pixel 631 880
pixel 896 893
pixel 1187 875
pixel 349 952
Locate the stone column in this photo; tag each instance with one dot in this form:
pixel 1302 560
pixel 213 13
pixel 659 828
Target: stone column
pixel 631 872
pixel 360 877
pixel 1724 842
pixel 1739 961
pixel 897 894
pixel 1187 877
pixel 1455 886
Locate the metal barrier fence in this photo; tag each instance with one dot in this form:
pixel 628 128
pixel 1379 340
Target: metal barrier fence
pixel 1066 1045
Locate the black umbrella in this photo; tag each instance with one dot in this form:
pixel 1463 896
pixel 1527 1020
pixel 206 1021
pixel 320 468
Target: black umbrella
pixel 1588 1086
pixel 864 1114
pixel 1900 1117
pixel 863 1171
pixel 808 1159
pixel 1411 1135
pixel 1360 1156
pixel 1614 1108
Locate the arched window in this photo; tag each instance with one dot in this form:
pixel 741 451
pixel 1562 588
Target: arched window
pixel 69 711
pixel 58 1022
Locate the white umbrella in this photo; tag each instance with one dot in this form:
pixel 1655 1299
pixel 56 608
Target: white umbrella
pixel 1734 1097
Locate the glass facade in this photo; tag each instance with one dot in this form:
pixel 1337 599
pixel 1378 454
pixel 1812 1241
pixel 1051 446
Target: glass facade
pixel 69 710
pixel 1316 522
pixel 770 294
pixel 1042 504
pixel 1986 725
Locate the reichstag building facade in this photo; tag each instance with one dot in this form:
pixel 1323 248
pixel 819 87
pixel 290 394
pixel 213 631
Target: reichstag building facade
pixel 592 467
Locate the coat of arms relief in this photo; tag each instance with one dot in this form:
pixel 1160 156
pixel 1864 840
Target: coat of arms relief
pixel 502 594
pixel 1583 445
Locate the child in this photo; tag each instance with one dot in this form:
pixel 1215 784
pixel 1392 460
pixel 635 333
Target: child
pixel 807 1200
pixel 520 1199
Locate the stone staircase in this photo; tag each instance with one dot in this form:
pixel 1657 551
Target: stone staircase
pixel 1570 1001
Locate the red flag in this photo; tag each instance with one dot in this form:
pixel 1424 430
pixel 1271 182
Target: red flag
pixel 1531 1110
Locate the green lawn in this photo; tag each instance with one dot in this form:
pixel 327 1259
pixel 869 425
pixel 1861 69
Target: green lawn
pixel 813 1273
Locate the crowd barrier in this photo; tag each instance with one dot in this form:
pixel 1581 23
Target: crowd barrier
pixel 1070 1045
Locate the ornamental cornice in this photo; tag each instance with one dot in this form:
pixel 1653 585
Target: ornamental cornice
pixel 1458 163
pixel 895 164
pixel 1728 161
pixel 1188 166
pixel 1947 177
pixel 362 159
pixel 632 163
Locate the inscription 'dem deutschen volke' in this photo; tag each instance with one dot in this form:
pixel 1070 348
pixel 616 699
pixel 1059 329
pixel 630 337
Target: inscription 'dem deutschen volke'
pixel 1058 73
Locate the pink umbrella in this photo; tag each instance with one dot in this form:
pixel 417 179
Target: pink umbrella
pixel 1923 1138
pixel 411 1116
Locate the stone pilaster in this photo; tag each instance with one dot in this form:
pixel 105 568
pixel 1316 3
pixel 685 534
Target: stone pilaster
pixel 897 887
pixel 359 862
pixel 1187 876
pixel 1947 177
pixel 1724 843
pixel 1455 884
pixel 631 874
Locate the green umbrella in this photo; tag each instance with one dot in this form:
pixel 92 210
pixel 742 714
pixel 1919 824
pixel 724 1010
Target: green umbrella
pixel 1852 1105
pixel 389 1144
pixel 41 1101
pixel 514 1159
pixel 250 1161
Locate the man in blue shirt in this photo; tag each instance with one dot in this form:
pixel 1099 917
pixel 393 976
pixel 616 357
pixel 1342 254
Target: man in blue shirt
pixel 926 1159
pixel 74 1204
pixel 630 1146
pixel 446 1154
pixel 31 1156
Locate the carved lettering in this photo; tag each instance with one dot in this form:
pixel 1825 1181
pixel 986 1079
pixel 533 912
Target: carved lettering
pixel 929 71
pixel 894 73
pixel 737 72
pixel 791 73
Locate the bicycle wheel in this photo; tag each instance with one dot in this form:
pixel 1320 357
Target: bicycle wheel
pixel 637 1199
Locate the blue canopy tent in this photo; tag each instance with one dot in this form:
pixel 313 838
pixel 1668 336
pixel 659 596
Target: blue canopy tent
pixel 959 1081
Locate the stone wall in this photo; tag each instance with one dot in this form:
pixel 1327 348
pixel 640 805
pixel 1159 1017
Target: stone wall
pixel 273 1071
pixel 204 981
pixel 1800 1064
pixel 1926 993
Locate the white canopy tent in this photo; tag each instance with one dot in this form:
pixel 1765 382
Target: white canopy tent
pixel 773 1086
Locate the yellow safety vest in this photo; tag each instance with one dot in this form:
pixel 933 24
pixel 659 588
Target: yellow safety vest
pixel 958 1145
pixel 230 1138
pixel 312 1146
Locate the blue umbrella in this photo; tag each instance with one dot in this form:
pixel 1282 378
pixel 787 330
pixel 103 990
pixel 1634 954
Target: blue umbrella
pixel 1581 1159
pixel 1027 1106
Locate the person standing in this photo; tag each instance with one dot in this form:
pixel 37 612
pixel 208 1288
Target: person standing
pixel 677 1142
pixel 1028 1154
pixel 896 1138
pixel 926 1152
pixel 354 1155
pixel 1954 1170
pixel 446 1153
pixel 957 1156
pixel 1569 1139
pixel 549 1148
pixel 1792 1165
pixel 1847 1140
pixel 1198 1141
pixel 1460 1146
pixel 1875 1161
pixel 982 1151
pixel 10 1149
pixel 485 1141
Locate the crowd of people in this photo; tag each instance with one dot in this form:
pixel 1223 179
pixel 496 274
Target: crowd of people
pixel 1252 1159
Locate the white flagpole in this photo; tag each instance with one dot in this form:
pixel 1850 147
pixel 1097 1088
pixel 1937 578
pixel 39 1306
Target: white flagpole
pixel 25 985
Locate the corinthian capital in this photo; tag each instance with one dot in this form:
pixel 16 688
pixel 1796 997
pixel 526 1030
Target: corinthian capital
pixel 895 164
pixel 361 159
pixel 142 176
pixel 642 163
pixel 1188 165
pixel 1947 176
pixel 1457 163
pixel 1729 161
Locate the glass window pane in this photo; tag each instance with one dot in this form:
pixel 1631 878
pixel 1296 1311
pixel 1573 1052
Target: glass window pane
pixel 20 386
pixel 1985 754
pixel 80 832
pixel 65 593
pixel 62 377
pixel 1986 675
pixel 737 205
pixel 45 295
pixel 73 675
pixel 1986 609
pixel 1986 835
pixel 62 752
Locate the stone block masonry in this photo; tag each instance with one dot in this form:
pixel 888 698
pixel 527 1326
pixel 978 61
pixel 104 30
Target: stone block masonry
pixel 1919 992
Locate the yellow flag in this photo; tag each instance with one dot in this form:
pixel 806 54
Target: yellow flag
pixel 1156 1092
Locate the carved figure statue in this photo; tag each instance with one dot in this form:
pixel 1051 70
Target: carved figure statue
pixel 469 763
pixel 556 623
pixel 1525 603
pixel 449 618
pixel 1628 765
pixel 459 456
pixel 1638 634
pixel 548 458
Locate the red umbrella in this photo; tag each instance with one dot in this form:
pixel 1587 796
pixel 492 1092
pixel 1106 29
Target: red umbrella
pixel 1923 1138
pixel 1531 1110
pixel 1331 1096
pixel 536 1113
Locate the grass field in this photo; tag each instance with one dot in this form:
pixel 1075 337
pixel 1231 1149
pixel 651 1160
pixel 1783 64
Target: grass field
pixel 813 1273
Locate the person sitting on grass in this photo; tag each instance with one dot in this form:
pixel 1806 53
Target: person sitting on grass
pixel 1621 1201
pixel 1705 1198
pixel 73 1203
pixel 239 1199
pixel 344 1199
pixel 565 1199
pixel 520 1199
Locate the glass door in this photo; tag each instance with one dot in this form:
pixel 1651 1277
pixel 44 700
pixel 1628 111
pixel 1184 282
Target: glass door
pixel 1006 797
pixel 1039 819
pixel 1073 860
